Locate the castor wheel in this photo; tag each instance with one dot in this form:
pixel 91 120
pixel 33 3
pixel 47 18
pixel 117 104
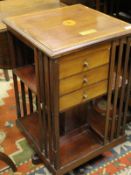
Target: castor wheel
pixel 36 159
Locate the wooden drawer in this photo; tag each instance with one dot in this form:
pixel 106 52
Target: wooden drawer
pixel 84 60
pixel 81 80
pixel 83 95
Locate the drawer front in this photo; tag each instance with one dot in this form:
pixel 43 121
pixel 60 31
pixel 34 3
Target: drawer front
pixel 84 60
pixel 81 80
pixel 83 95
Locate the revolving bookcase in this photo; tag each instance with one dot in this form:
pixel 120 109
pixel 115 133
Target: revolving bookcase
pixel 66 66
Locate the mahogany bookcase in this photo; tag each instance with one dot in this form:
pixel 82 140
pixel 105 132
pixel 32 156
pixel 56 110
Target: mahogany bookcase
pixel 65 60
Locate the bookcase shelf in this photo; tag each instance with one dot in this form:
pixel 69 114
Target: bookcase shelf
pixel 27 75
pixel 70 144
pixel 29 125
pixel 77 144
pixel 94 118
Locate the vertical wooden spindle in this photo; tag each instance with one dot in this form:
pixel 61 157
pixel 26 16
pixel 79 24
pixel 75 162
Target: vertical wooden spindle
pixel 109 95
pixel 127 94
pixel 47 107
pixel 23 98
pixel 43 144
pixel 44 116
pixel 36 102
pixel 116 90
pixel 17 99
pixel 30 100
pixel 122 92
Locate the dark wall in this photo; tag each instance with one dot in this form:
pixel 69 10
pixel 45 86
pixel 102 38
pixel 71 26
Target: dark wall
pixel 90 3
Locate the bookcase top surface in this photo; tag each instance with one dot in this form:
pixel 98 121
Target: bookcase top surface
pixel 10 8
pixel 63 30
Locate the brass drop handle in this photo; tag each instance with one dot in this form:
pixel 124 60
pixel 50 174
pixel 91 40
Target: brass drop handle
pixel 85 96
pixel 85 81
pixel 85 65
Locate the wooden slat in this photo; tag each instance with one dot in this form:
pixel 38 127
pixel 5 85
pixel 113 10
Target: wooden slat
pixel 30 100
pixel 122 92
pixel 17 96
pixel 45 95
pixel 36 102
pixel 109 95
pixel 127 93
pixel 116 89
pixel 23 98
pixel 43 143
pixel 48 106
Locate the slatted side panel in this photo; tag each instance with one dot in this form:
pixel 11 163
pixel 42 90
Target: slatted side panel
pixel 116 86
pixel 28 102
pixel 44 106
pixel 118 89
pixel 25 98
pixel 126 87
pixel 109 95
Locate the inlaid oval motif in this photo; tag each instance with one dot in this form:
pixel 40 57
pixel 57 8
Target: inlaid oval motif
pixel 69 22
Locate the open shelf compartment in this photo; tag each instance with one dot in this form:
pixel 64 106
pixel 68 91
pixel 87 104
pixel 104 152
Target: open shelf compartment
pixel 97 122
pixel 97 119
pixel 27 76
pixel 29 125
pixel 72 145
pixel 75 145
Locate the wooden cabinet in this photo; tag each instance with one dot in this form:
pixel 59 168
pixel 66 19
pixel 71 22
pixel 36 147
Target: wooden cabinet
pixel 66 65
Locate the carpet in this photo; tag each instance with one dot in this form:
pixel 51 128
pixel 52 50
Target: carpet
pixel 116 161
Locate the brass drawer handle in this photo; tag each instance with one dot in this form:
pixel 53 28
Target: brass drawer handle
pixel 85 65
pixel 85 81
pixel 85 96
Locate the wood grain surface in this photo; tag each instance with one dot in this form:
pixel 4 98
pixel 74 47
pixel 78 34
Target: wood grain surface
pixel 63 30
pixel 20 7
